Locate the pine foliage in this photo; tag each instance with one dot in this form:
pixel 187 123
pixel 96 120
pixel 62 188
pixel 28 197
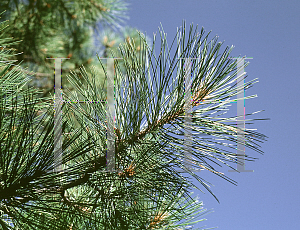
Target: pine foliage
pixel 151 188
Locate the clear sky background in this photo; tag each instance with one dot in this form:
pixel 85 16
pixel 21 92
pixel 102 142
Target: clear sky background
pixel 268 31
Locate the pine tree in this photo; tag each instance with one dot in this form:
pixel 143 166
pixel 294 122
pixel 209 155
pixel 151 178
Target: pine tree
pixel 148 191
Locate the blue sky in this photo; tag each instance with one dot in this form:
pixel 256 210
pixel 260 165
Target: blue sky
pixel 268 31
